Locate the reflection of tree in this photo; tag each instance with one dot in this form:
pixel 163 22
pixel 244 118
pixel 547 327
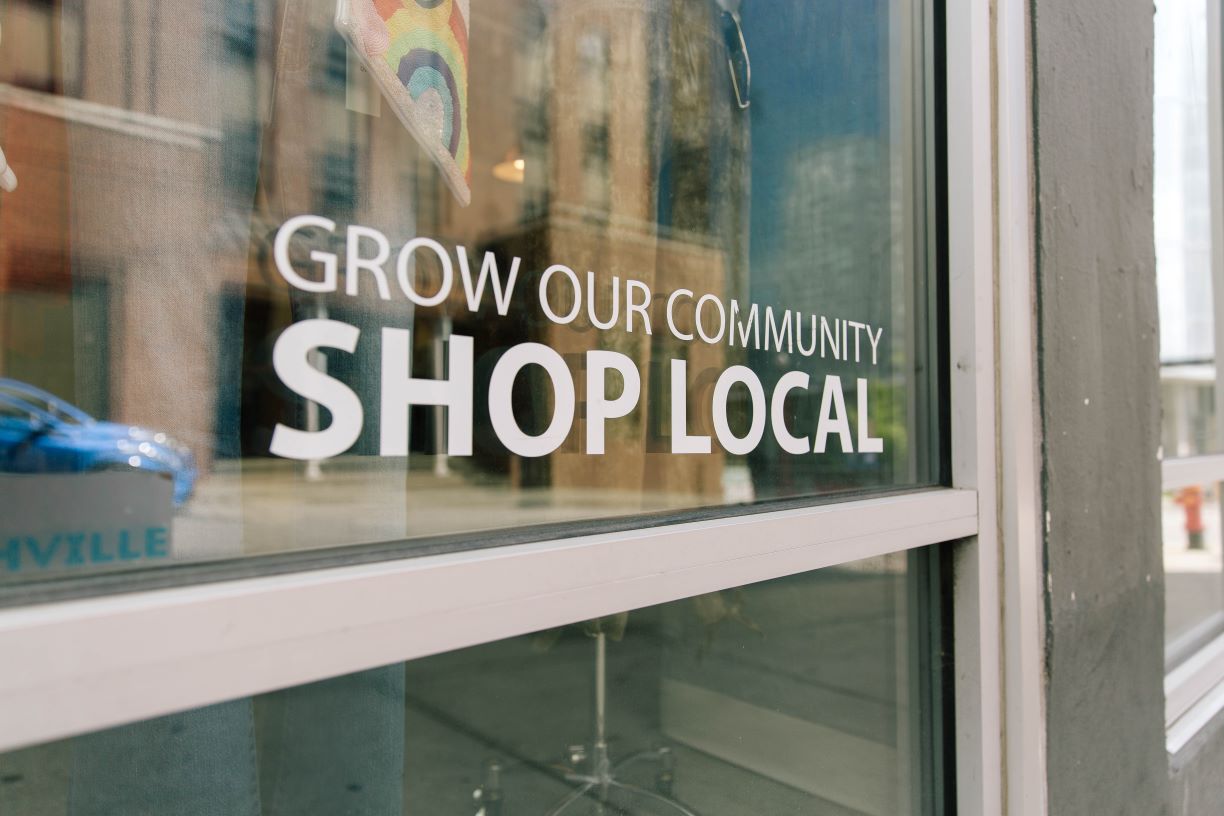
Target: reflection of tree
pixel 888 418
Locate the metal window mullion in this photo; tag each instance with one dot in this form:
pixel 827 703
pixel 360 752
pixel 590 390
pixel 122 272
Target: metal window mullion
pixel 1215 185
pixel 971 287
pixel 1194 695
pixel 90 664
pixel 1189 471
pixel 1020 501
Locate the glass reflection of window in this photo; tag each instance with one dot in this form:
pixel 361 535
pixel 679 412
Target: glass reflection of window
pixel 532 97
pixel 240 162
pixel 338 186
pixel 239 28
pixel 691 124
pixel 335 67
pixel 689 177
pixel 427 194
pixel 594 98
pixel 31 52
pixel 533 119
pixel 595 164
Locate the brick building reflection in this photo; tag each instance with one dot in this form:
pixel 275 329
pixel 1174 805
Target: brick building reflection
pixel 160 145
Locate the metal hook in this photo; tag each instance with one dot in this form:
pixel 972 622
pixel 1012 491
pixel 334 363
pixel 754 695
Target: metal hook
pixel 8 179
pixel 741 96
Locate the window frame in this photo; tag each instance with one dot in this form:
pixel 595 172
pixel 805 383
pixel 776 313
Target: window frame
pixel 87 664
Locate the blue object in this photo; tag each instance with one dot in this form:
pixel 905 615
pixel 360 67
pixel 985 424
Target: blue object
pixel 41 433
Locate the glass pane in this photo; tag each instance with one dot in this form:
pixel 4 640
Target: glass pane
pixel 1187 401
pixel 1194 585
pixel 291 275
pixel 1194 572
pixel 1183 232
pixel 1183 228
pixel 816 693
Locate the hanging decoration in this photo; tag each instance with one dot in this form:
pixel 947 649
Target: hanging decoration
pixel 417 52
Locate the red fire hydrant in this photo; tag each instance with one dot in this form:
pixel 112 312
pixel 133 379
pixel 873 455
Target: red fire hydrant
pixel 1191 500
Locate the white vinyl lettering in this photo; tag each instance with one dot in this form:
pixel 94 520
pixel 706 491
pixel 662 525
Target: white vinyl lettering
pixel 777 412
pixel 615 290
pixel 400 390
pixel 309 258
pixel 574 286
pixel 488 271
pixel 280 253
pixel 722 319
pixel 833 416
pixel 671 314
pixel 633 305
pixel 291 362
pixel 681 441
pixel 751 324
pixel 405 269
pixel 738 445
pixel 354 263
pixel 866 442
pixel 501 411
pixel 598 407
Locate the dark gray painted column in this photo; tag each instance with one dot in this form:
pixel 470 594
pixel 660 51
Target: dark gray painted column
pixel 1098 346
pixel 1197 773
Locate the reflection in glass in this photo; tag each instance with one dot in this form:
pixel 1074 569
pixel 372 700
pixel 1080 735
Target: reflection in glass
pixel 817 693
pixel 1194 583
pixel 40 433
pixel 1183 233
pixel 162 146
pixel 1188 397
pixel 1194 571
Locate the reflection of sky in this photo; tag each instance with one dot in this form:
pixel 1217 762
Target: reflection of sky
pixel 1180 185
pixel 819 73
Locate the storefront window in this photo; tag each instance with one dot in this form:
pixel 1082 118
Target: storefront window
pixel 815 693
pixel 296 275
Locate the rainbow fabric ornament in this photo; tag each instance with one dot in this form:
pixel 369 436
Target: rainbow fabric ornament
pixel 417 52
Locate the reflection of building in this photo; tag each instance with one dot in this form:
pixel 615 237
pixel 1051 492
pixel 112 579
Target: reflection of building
pixel 108 236
pixel 1188 397
pixel 125 253
pixel 136 265
pixel 1183 230
pixel 143 231
pixel 606 162
pixel 581 120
